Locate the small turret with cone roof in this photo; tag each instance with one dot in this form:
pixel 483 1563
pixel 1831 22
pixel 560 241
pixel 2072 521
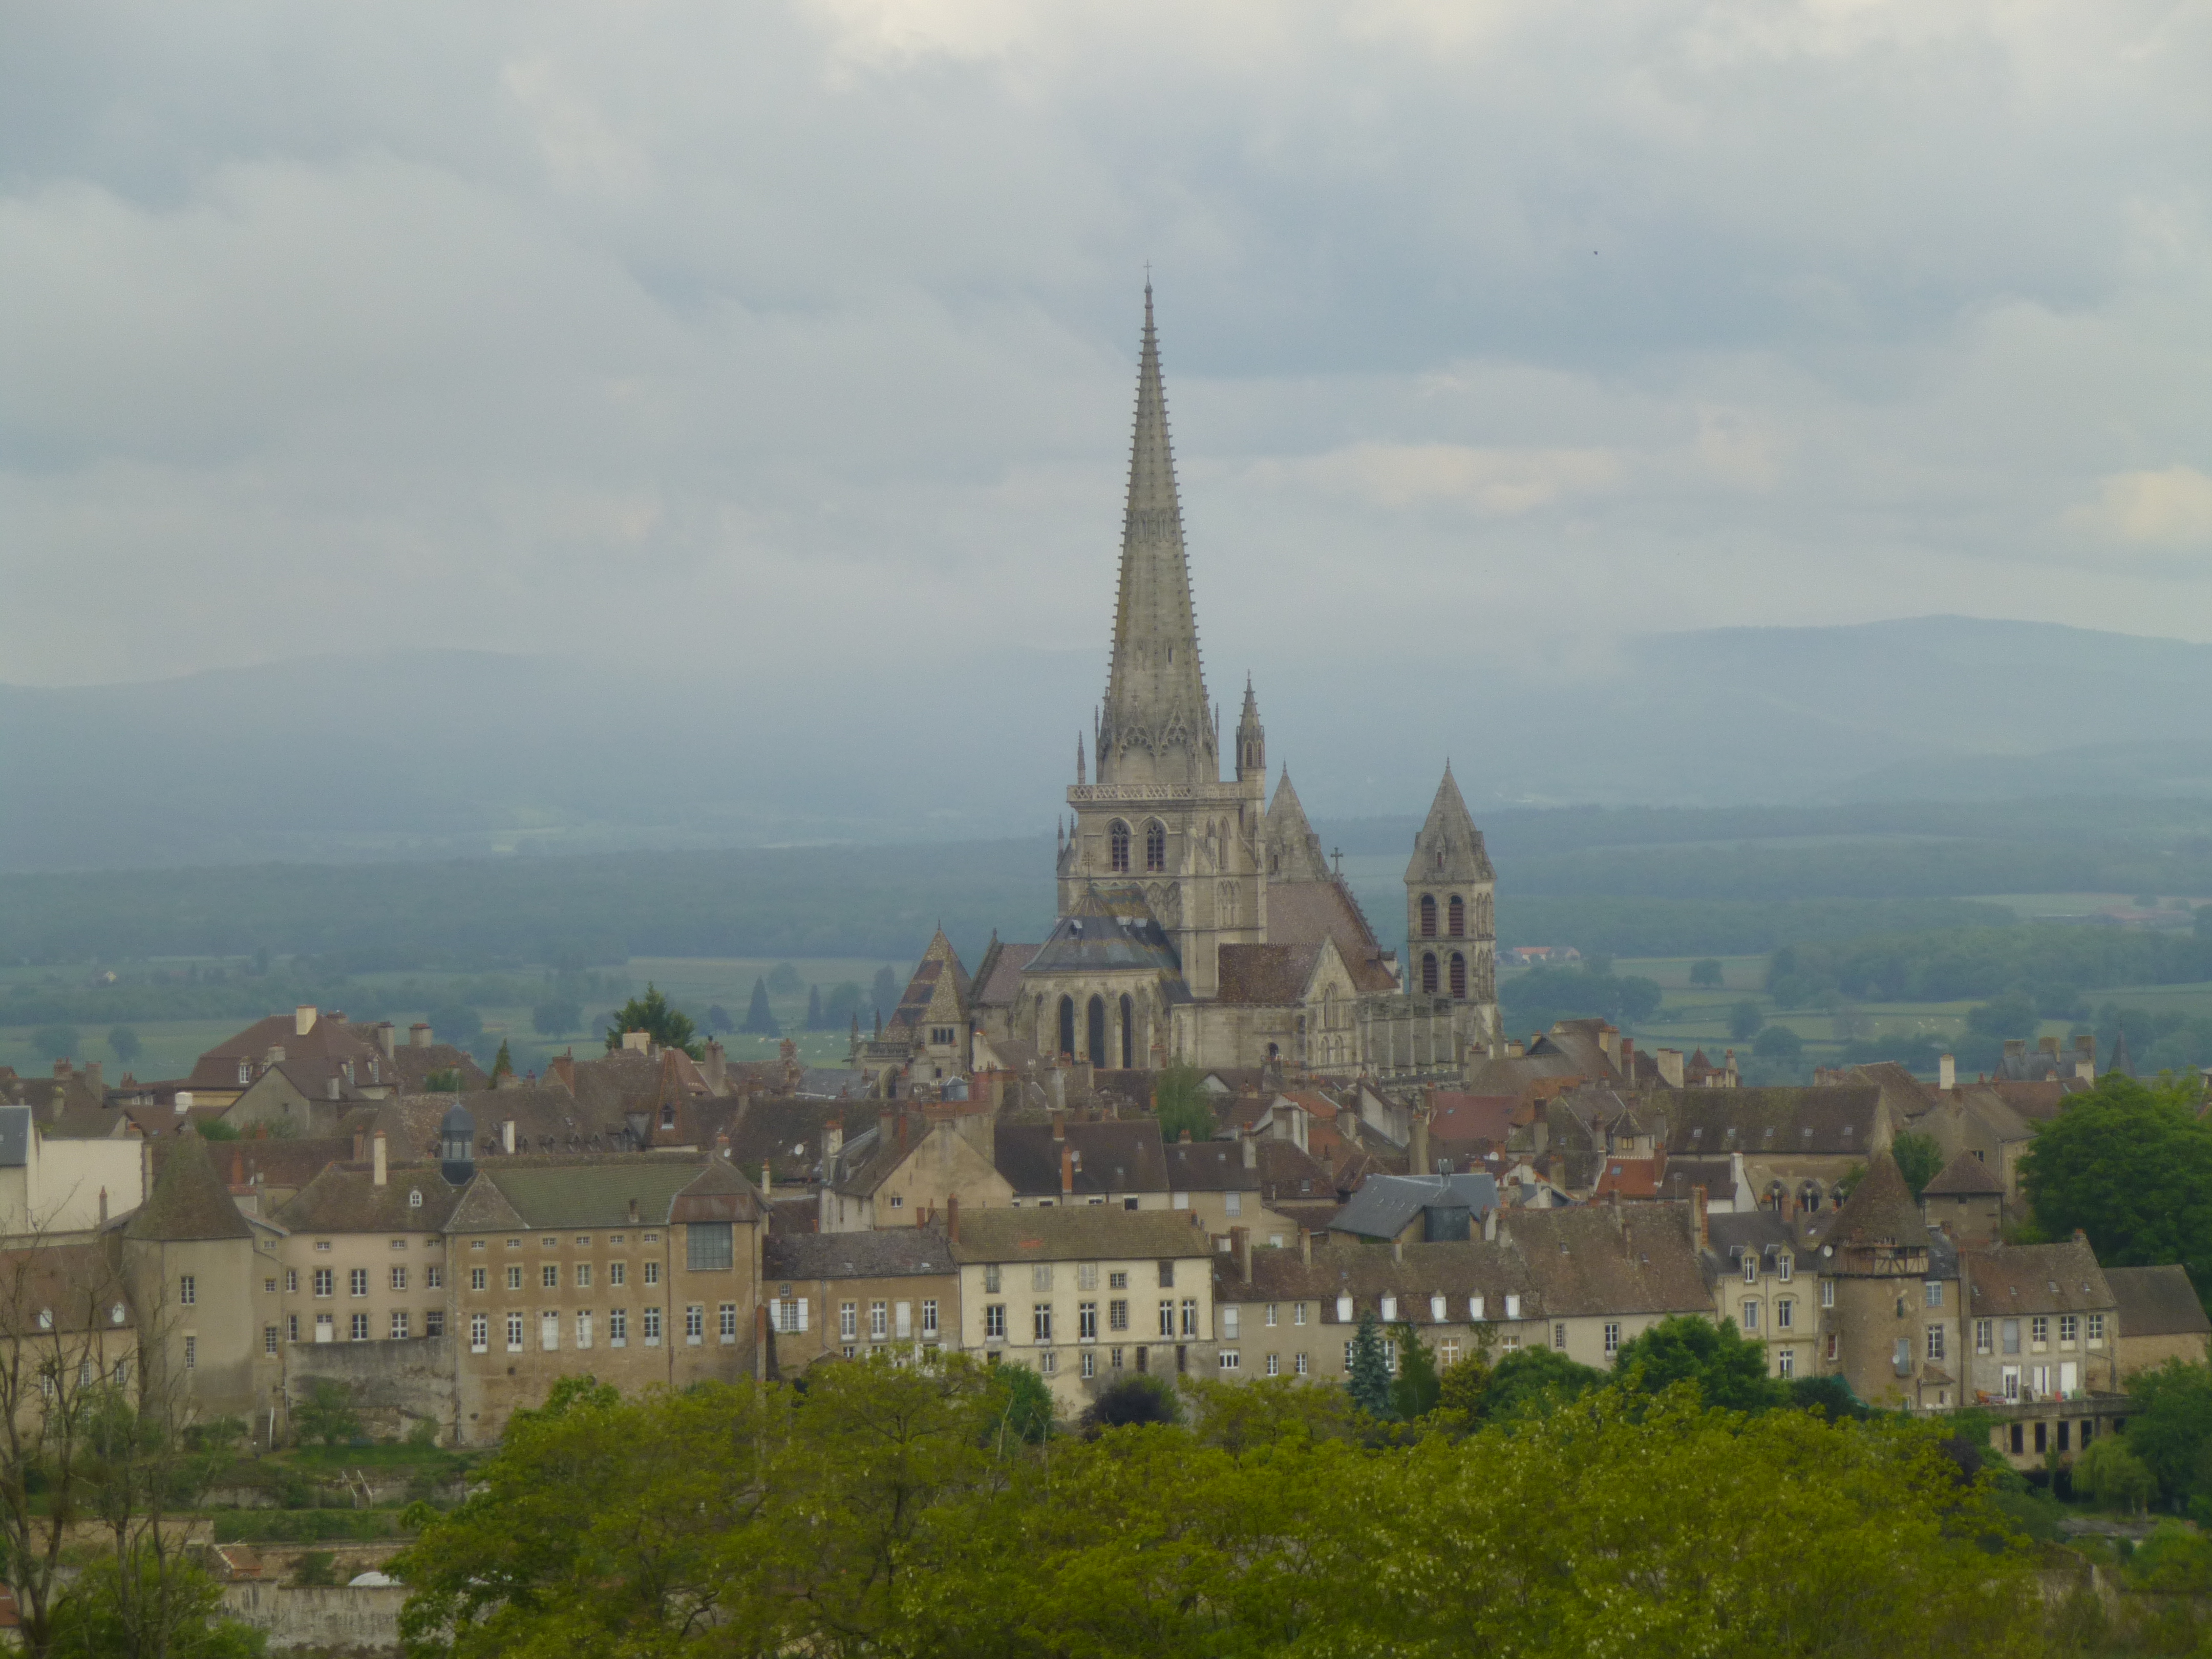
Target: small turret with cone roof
pixel 1251 741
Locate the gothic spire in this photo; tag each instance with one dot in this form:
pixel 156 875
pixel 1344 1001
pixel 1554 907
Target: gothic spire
pixel 1157 727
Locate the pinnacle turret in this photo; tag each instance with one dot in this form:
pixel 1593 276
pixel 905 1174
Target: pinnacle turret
pixel 1156 726
pixel 1251 740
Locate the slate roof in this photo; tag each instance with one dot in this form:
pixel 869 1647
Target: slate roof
pixel 190 1201
pixel 14 1137
pixel 2157 1302
pixel 1267 976
pixel 584 1193
pixel 1821 1120
pixel 1385 1204
pixel 999 975
pixel 1209 1166
pixel 1716 1175
pixel 1107 929
pixel 2036 1278
pixel 1760 1231
pixel 890 1253
pixel 345 1199
pixel 1123 1156
pixel 1082 1232
pixel 786 1132
pixel 1288 1172
pixel 1964 1176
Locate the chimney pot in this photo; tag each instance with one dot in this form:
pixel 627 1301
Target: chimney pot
pixel 360 1146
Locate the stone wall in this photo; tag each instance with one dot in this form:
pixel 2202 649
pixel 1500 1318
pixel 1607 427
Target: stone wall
pixel 394 1383
pixel 336 1620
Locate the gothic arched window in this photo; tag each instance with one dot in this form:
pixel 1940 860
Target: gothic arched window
pixel 1428 916
pixel 1458 973
pixel 1428 970
pixel 1455 917
pixel 1128 1031
pixel 1096 1021
pixel 1155 845
pixel 1067 1026
pixel 1117 845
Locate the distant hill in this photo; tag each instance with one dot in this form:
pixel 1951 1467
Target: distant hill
pixel 435 755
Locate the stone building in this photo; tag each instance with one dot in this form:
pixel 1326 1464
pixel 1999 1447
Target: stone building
pixel 1761 1284
pixel 1197 923
pixel 2161 1317
pixel 849 1295
pixel 2045 1324
pixel 1889 1291
pixel 66 1324
pixel 53 1183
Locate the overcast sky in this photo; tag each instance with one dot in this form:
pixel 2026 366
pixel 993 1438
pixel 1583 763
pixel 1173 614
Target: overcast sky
pixel 788 335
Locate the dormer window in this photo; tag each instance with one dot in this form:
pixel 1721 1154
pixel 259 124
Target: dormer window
pixel 668 1115
pixel 414 1199
pixel 46 1319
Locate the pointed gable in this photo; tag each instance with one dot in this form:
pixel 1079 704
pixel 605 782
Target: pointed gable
pixel 1293 850
pixel 1879 1210
pixel 1449 847
pixel 190 1201
pixel 938 992
pixel 718 1192
pixel 1964 1177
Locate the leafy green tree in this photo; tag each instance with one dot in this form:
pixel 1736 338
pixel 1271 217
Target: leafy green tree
pixel 1729 1369
pixel 1744 1020
pixel 556 1015
pixel 843 1004
pixel 326 1414
pixel 122 1042
pixel 1461 1388
pixel 314 1567
pixel 669 1026
pixel 783 980
pixel 2111 1474
pixel 1179 1102
pixel 2130 1164
pixel 1368 1379
pixel 56 1042
pixel 760 1021
pixel 502 1064
pixel 1778 1043
pixel 456 1022
pixel 2172 1429
pixel 814 1008
pixel 447 1080
pixel 1021 1403
pixel 1706 973
pixel 102 1616
pixel 1130 1403
pixel 1919 1158
pixel 1534 1382
pixel 2013 1015
pixel 1414 1394
pixel 717 1017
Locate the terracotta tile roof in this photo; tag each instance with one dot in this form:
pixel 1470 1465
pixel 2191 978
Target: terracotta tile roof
pixel 1631 1177
pixel 1080 1232
pixel 2157 1302
pixel 1266 974
pixel 1288 1172
pixel 1880 1210
pixel 1964 1176
pixel 2036 1278
pixel 77 1283
pixel 1119 1156
pixel 1474 1118
pixel 794 1215
pixel 785 1131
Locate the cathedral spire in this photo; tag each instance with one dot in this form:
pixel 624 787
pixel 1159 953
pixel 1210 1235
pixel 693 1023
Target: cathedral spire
pixel 1156 726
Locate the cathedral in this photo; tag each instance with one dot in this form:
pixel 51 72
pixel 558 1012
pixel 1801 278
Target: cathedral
pixel 1199 921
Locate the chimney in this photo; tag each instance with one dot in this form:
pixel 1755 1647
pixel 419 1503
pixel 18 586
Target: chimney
pixel 330 1087
pixel 1513 1048
pixel 360 1146
pixel 1608 1039
pixel 377 1154
pixel 952 1218
pixel 1060 1126
pixel 768 1179
pixel 92 1079
pixel 632 1213
pixel 1397 1249
pixel 1701 1216
pixel 1946 1073
pixel 717 1068
pixel 1305 1246
pixel 1240 1246
pixel 637 1042
pixel 103 1206
pixel 1628 1059
pixel 419 1036
pixel 1249 1148
pixel 833 1142
pixel 2048 1045
pixel 506 1135
pixel 237 1166
pixel 1418 1151
pixel 900 1117
pixel 303 1019
pixel 273 1054
pixel 1067 1171
pixel 1184 1139
pixel 385 1040
pixel 1669 1061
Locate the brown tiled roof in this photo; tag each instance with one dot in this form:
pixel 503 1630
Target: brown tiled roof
pixel 1631 1177
pixel 190 1201
pixel 1289 1173
pixel 2038 1102
pixel 794 1215
pixel 1880 1210
pixel 1210 1166
pixel 415 1065
pixel 719 1191
pixel 1304 913
pixel 2157 1302
pixel 1079 1232
pixel 1964 1176
pixel 785 1131
pixel 1820 1119
pixel 548 1119
pixel 1475 1118
pixel 1266 974
pixel 345 1199
pixel 891 1253
pixel 1123 1156
pixel 77 1282
pixel 290 1165
pixel 999 975
pixel 2036 1278
pixel 1367 1273
pixel 1605 1258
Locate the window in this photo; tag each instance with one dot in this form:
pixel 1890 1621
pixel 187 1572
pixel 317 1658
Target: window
pixel 1749 1322
pixel 268 1334
pixel 1117 846
pixel 1041 1321
pixel 1117 1315
pixel 475 1278
pixel 1297 1313
pixel 192 1353
pixel 291 1327
pixel 1229 1322
pixel 2039 1331
pixel 2096 1329
pixel 707 1247
pixel 322 1246
pixel 617 1274
pixel 1428 916
pixel 1086 1321
pixel 188 1291
pixel 1750 1268
pixel 583 1275
pixel 1299 1365
pixel 1785 1364
pixel 514 1333
pixel 653 1272
pixel 1512 1306
pixel 357 1281
pixel 1191 1315
pixel 325 1330
pixel 649 1325
pixel 618 1326
pixel 1436 1310
pixel 1167 1319
pixel 415 1197
pixel 1934 1292
pixel 1834 1342
pixel 399 1278
pixel 2069 1330
pixel 2008 1335
pixel 433 1322
pixel 1828 1293
pixel 990 1279
pixel 1155 845
pixel 1935 1343
pixel 399 1325
pixel 1344 1311
pixel 1230 1359
pixel 1118 1281
pixel 548 1331
pixel 1270 1316
pixel 479 1332
pixel 929 1319
pixel 1428 970
pixel 1784 1264
pixel 513 1243
pixel 1041 1276
pixel 1785 1313
pixel 398 1243
pixel 1456 913
pixel 549 1276
pixel 357 1328
pixel 324 1279
pixel 291 1281
pixel 514 1278
pixel 1233 1203
pixel 879 1318
pixel 1612 1339
pixel 848 1322
pixel 1347 1356
pixel 1389 1315
pixel 1090 1363
pixel 1047 1363
pixel 1984 1335
pixel 1559 1337
pixel 995 1321
pixel 433 1279
pixel 726 1316
pixel 1167 1275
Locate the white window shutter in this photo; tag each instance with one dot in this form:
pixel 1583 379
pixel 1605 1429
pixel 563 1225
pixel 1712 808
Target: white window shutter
pixel 802 1313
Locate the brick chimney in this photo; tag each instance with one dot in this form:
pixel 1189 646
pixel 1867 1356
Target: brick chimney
pixel 952 1218
pixel 1067 1171
pixel 1240 1246
pixel 1417 1151
pixel 1305 1246
pixel 1059 1125
pixel 378 1156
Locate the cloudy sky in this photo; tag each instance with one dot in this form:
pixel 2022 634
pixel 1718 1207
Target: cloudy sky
pixel 790 335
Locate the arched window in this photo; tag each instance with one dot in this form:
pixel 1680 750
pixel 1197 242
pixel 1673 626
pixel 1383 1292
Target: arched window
pixel 1067 1027
pixel 1458 974
pixel 1428 970
pixel 1455 917
pixel 1428 916
pixel 1097 1022
pixel 1129 1032
pixel 1155 845
pixel 1117 845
